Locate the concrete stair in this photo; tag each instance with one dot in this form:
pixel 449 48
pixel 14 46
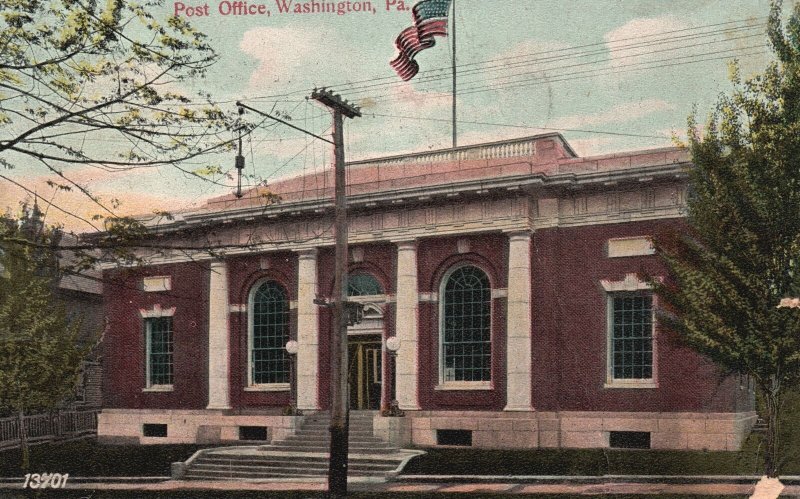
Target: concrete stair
pixel 303 455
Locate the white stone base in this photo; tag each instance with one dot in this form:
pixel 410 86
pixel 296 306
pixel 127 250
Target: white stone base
pixel 490 430
pixel 523 430
pixel 188 426
pixel 395 430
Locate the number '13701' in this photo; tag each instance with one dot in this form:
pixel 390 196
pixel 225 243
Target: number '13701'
pixel 45 480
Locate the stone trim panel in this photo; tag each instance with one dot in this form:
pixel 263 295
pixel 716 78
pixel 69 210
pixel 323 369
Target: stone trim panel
pixel 189 427
pixel 528 430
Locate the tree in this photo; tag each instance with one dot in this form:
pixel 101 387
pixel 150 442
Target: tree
pixel 40 348
pixel 98 83
pixel 741 253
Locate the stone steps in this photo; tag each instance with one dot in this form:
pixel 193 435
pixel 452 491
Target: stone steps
pixel 322 462
pixel 302 455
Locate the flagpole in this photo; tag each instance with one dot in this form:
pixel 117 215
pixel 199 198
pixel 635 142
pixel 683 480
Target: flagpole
pixel 455 132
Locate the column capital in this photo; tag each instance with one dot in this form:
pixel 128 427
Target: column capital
pixel 307 254
pixel 406 245
pixel 519 235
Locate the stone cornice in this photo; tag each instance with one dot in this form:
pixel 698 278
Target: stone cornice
pixel 501 186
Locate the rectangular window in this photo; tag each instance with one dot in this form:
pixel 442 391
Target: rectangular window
pixel 629 439
pixel 253 433
pixel 158 333
pixel 154 430
pixel 631 336
pixel 454 437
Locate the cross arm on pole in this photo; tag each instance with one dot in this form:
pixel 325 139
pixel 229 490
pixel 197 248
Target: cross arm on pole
pixel 335 102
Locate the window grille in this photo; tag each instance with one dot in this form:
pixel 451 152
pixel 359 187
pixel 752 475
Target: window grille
pixel 270 331
pixel 632 336
pixel 466 326
pixel 363 285
pixel 158 332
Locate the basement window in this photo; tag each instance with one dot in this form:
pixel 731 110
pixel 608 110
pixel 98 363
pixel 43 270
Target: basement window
pixel 253 433
pixel 629 439
pixel 154 430
pixel 454 437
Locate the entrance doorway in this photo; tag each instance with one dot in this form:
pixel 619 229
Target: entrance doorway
pixel 364 372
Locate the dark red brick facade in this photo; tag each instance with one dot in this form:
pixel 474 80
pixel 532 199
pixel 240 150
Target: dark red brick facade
pixel 568 326
pixel 124 341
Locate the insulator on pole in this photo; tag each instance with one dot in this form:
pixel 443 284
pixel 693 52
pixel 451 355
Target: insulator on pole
pixel 239 164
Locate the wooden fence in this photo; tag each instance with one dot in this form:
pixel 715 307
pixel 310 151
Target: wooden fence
pixel 61 425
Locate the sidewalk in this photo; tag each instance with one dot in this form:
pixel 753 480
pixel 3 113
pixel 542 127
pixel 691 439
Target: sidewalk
pixel 646 485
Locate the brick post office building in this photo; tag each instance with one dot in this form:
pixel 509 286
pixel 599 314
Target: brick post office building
pixel 506 272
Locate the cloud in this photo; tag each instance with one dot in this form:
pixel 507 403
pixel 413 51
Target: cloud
pixel 294 56
pixel 593 146
pixel 624 43
pixel 628 111
pixel 494 135
pixel 276 64
pixel 130 201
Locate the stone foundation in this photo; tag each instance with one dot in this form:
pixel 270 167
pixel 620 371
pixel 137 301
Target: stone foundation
pixel 530 430
pixel 489 430
pixel 188 426
pixel 392 429
pixel 679 431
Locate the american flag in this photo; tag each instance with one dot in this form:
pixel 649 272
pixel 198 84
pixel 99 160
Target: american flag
pixel 430 19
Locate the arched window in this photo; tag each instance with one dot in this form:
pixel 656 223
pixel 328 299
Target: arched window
pixel 466 310
pixel 269 332
pixel 361 284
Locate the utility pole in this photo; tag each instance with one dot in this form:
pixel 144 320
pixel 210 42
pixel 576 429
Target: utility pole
pixel 343 311
pixel 337 470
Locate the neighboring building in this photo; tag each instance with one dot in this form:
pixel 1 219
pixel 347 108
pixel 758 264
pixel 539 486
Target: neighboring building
pixel 508 271
pixel 81 294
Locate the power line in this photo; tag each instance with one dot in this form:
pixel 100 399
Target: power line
pixel 511 125
pixel 569 56
pixel 392 80
pixel 586 63
pixel 570 76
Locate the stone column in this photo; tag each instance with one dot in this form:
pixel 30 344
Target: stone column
pixel 406 327
pixel 518 329
pixel 307 332
pixel 218 337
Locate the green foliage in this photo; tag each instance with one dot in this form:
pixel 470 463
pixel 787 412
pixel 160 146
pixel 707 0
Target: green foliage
pixel 741 254
pixel 40 347
pixel 105 68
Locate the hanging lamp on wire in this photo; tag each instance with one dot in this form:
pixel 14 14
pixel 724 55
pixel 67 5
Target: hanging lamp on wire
pixel 239 160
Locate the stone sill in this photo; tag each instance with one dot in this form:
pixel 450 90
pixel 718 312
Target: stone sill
pixel 646 383
pixel 277 387
pixel 462 386
pixel 158 388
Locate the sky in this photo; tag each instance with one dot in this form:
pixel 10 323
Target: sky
pixel 610 75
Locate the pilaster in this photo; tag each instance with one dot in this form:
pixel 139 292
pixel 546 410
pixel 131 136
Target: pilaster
pixel 218 337
pixel 307 332
pixel 406 328
pixel 518 342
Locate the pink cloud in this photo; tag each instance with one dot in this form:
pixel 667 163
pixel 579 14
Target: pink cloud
pixel 121 201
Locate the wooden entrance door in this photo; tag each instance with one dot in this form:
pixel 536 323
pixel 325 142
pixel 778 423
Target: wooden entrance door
pixel 364 372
